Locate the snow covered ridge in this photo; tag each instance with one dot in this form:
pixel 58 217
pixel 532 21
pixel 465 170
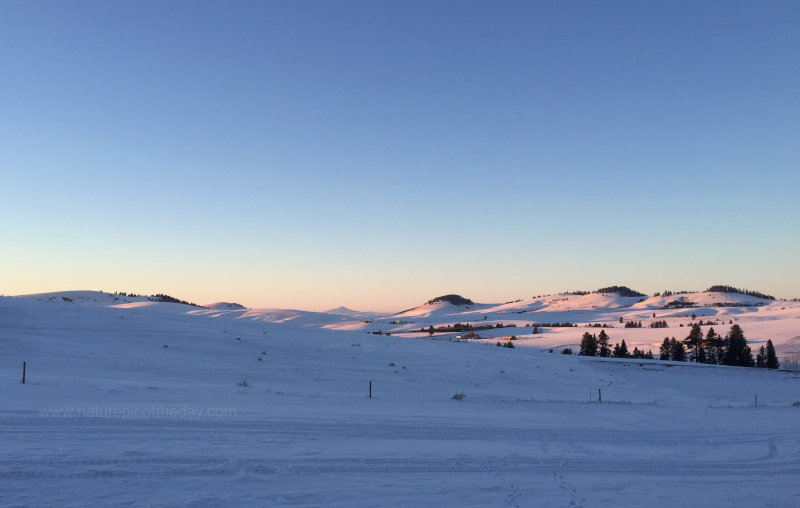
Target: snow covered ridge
pixel 558 322
pixel 153 403
pixel 544 322
pixel 225 306
pixel 102 298
pixel 344 311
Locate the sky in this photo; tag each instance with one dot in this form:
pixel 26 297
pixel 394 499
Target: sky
pixel 311 154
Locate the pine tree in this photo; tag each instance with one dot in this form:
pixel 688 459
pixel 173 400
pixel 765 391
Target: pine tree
pixel 602 343
pixel 701 355
pixel 747 357
pixel 678 352
pixel 621 350
pixel 738 352
pixel 588 345
pixel 694 341
pixel 716 346
pixel 772 358
pixel 665 353
pixel 761 358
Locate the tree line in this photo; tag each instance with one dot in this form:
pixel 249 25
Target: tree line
pixel 719 288
pixel 600 345
pixel 160 297
pixel 697 347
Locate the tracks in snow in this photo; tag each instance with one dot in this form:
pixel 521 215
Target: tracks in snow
pixel 541 451
pixel 203 466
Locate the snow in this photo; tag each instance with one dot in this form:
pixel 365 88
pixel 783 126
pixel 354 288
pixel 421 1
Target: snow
pixel 344 311
pixel 224 306
pixel 133 404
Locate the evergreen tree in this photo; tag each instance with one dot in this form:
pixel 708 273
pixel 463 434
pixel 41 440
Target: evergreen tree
pixel 602 343
pixel 588 345
pixel 772 358
pixel 621 350
pixel 665 353
pixel 648 355
pixel 678 352
pixel 747 357
pixel 694 341
pixel 761 358
pixel 738 352
pixel 701 355
pixel 716 347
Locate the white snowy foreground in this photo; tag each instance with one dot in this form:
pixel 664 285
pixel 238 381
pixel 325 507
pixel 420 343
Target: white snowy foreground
pixel 140 404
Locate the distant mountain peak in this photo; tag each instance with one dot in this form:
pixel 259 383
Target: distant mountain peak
pixel 344 311
pixel 341 308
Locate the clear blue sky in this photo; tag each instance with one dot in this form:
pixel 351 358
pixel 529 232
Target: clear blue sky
pixel 376 154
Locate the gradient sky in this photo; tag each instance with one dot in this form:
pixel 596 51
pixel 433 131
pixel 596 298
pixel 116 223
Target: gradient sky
pixel 310 154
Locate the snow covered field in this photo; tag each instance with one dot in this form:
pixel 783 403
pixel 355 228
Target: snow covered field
pixel 130 402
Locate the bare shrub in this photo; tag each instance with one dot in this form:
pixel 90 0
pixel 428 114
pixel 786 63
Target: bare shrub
pixel 791 362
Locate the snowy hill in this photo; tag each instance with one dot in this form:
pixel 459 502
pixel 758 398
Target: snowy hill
pixel 761 319
pixel 441 309
pixel 102 298
pixel 344 311
pixel 81 298
pixel 297 317
pixel 127 404
pixel 225 306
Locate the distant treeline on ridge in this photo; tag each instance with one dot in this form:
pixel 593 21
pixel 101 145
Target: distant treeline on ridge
pixel 157 298
pixel 620 290
pixel 454 299
pixel 730 289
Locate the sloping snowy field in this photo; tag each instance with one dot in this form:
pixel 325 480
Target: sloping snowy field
pixel 140 403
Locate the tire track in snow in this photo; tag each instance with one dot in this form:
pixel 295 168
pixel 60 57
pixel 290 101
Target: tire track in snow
pixel 202 466
pixel 575 461
pixel 382 430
